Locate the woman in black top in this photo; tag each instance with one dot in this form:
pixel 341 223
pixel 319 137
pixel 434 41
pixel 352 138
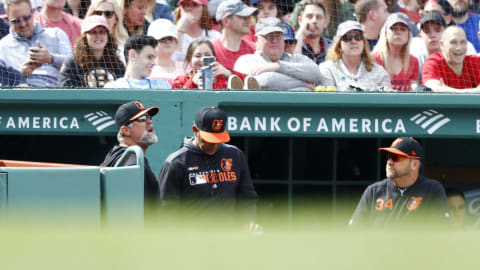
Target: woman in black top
pixel 95 61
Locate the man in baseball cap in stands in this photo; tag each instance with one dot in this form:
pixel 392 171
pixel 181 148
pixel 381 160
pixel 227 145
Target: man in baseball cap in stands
pixel 404 196
pixel 272 67
pixel 135 125
pixel 207 174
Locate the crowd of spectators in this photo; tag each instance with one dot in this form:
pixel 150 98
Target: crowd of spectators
pixel 255 44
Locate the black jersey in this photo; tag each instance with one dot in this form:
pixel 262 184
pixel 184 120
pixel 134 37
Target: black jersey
pixel 384 203
pixel 198 181
pixel 72 75
pixel 151 190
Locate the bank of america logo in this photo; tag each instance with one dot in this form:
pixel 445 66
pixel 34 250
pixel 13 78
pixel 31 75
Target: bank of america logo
pixel 100 120
pixel 430 120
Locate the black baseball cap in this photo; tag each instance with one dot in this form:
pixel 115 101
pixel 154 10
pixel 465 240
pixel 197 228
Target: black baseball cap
pixel 131 111
pixel 405 146
pixel 210 122
pixel 432 16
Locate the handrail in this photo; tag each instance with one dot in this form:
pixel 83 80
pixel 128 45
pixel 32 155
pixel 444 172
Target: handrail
pixel 134 149
pixel 19 163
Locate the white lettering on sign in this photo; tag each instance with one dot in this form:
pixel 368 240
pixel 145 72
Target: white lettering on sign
pixel 321 125
pixel 478 125
pixel 293 124
pixel 38 122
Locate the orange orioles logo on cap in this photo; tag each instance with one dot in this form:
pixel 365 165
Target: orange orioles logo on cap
pixel 397 141
pixel 226 164
pixel 414 202
pixel 217 125
pixel 139 105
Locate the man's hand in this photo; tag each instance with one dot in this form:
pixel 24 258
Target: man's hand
pixel 40 55
pixel 28 67
pixel 265 67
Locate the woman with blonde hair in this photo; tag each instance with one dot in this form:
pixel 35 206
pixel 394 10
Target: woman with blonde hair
pixel 349 66
pixel 134 15
pixel 192 21
pixel 392 52
pixel 110 10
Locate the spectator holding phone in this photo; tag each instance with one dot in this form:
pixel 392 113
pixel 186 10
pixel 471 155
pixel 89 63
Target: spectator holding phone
pixel 37 52
pixel 201 51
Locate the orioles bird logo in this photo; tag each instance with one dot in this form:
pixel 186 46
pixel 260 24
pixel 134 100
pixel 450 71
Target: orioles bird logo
pixel 414 202
pixel 397 141
pixel 226 164
pixel 139 105
pixel 217 125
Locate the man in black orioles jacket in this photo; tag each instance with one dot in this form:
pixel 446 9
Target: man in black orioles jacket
pixel 405 197
pixel 206 174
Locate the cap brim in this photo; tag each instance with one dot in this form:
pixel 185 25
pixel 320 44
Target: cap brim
pixel 248 11
pixel 211 137
pixel 151 111
pixel 396 151
pixel 269 30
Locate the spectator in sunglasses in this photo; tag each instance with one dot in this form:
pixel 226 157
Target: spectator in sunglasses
pixel 111 11
pixel 52 15
pixel 165 68
pixel 405 197
pixel 95 61
pixel 393 53
pixel 37 52
pixel 135 127
pixel 349 66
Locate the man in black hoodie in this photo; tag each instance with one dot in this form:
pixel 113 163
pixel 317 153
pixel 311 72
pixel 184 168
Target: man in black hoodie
pixel 206 173
pixel 136 128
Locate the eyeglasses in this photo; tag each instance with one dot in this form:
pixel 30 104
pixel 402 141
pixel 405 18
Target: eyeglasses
pixel 348 38
pixel 19 20
pixel 395 157
pixel 108 13
pixel 143 118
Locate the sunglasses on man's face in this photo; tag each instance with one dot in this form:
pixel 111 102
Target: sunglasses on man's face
pixel 19 20
pixel 356 37
pixel 108 13
pixel 395 157
pixel 143 118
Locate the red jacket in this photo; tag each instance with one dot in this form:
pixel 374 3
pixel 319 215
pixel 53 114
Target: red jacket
pixel 186 82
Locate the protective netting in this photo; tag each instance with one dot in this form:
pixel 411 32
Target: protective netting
pixel 312 45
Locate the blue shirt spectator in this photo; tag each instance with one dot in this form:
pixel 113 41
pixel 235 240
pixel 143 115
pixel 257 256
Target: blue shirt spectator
pixel 138 83
pixel 54 40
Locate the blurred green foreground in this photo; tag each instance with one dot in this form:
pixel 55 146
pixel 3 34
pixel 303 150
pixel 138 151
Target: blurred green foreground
pixel 212 244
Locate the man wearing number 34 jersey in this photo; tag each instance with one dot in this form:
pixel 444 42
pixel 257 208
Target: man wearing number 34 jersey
pixel 405 197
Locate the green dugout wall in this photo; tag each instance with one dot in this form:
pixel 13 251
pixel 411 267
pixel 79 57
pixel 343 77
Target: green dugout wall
pixel 299 145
